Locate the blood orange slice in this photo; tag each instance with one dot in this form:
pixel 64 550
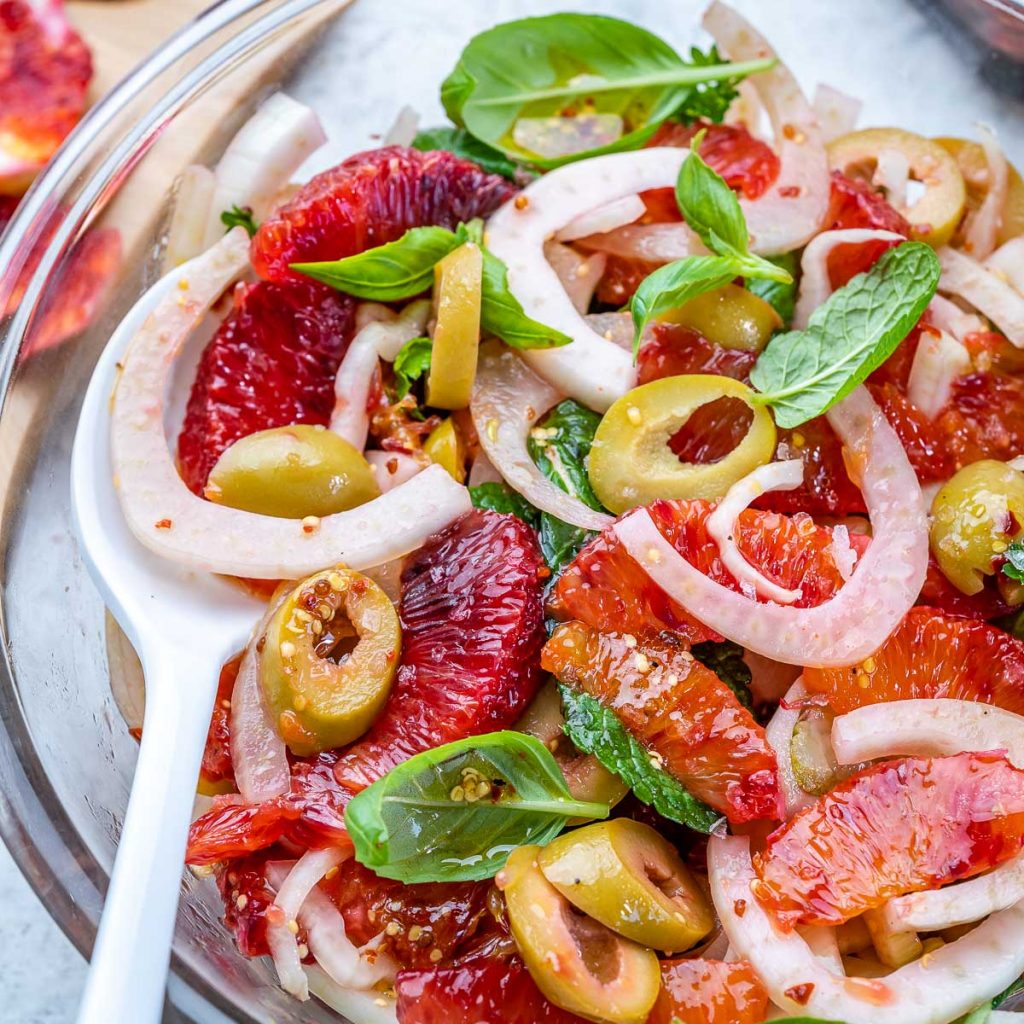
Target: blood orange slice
pixel 688 719
pixel 930 655
pixel 709 992
pixel 898 827
pixel 372 198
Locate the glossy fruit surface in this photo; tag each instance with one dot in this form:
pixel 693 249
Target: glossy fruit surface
pixel 709 992
pixel 975 516
pixel 624 875
pixel 445 447
pixel 216 774
pixel 457 299
pixel 898 827
pixel 674 350
pixel 372 198
pixel 329 656
pixel 607 589
pixel 246 918
pixel 680 711
pixel 292 472
pixel 271 363
pixel 576 962
pixel 730 317
pixel 481 991
pixel 931 655
pixel 472 627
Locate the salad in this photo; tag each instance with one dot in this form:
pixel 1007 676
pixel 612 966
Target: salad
pixel 630 472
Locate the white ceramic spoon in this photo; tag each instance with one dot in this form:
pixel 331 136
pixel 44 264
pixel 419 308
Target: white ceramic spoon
pixel 184 626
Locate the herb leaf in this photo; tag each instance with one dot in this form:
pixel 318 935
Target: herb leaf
pixel 542 67
pixel 725 659
pixel 390 272
pixel 710 207
pixel 412 361
pixel 502 315
pixel 781 295
pixel 499 497
pixel 802 374
pixel 596 730
pixel 1014 565
pixel 416 825
pixel 240 216
pixel 461 143
pixel 708 100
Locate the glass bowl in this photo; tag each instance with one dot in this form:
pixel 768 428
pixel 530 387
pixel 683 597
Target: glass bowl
pixel 66 755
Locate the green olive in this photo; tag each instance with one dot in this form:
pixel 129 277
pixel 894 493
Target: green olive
pixel 585 776
pixel 328 658
pixel 730 317
pixel 625 875
pixel 974 518
pixel 631 463
pixel 579 964
pixel 291 473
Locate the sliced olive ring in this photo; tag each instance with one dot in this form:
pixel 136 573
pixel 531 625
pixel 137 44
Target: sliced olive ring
pixel 625 875
pixel 631 462
pixel 579 964
pixel 730 317
pixel 328 659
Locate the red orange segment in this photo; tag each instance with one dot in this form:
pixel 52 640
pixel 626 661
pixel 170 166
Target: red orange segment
pixel 679 710
pixel 898 827
pixel 709 992
pixel 930 655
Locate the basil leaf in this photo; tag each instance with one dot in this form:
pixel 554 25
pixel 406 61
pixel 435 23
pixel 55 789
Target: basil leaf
pixel 499 497
pixel 560 542
pixel 596 730
pixel 802 374
pixel 503 316
pixel 559 445
pixel 542 67
pixel 1014 565
pixel 710 207
pixel 676 283
pixel 781 295
pixel 461 143
pixel 725 659
pixel 412 361
pixel 240 216
pixel 390 272
pixel 423 823
pixel 707 100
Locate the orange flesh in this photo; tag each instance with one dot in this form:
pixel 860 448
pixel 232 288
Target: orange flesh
pixel 709 992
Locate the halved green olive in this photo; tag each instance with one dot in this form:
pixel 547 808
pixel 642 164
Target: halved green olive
pixel 585 776
pixel 731 317
pixel 457 299
pixel 813 759
pixel 576 962
pixel 975 516
pixel 631 463
pixel 936 214
pixel 446 448
pixel 623 874
pixel 292 472
pixel 327 660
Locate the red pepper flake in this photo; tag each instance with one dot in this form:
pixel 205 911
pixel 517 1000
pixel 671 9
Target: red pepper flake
pixel 543 572
pixel 163 524
pixel 800 993
pixel 789 191
pixel 739 907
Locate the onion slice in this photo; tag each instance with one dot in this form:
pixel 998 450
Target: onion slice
pixel 987 291
pixel 651 243
pixel 779 733
pixel 938 361
pixel 983 224
pixel 793 209
pixel 815 283
pixel 836 112
pixel 1008 262
pixel 935 989
pixel 578 273
pixel 949 317
pixel 721 524
pixel 186 236
pixel 392 469
pixel 508 398
pixel 892 173
pixel 371 1007
pixel 606 217
pixel 856 621
pixel 174 523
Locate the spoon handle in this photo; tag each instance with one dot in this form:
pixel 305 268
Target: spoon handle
pixel 128 972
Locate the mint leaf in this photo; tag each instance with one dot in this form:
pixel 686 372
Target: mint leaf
pixel 802 374
pixel 416 824
pixel 412 361
pixel 503 316
pixel 725 659
pixel 596 730
pixel 1014 565
pixel 710 207
pixel 780 295
pixel 462 144
pixel 499 497
pixel 390 272
pixel 240 216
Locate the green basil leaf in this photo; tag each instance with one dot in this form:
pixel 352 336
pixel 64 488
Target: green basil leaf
pixel 802 374
pixel 412 361
pixel 240 216
pixel 559 445
pixel 416 824
pixel 461 143
pixel 390 272
pixel 560 542
pixel 710 207
pixel 725 659
pixel 676 283
pixel 542 67
pixel 707 100
pixel 499 497
pixel 781 295
pixel 596 730
pixel 503 316
pixel 1014 565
